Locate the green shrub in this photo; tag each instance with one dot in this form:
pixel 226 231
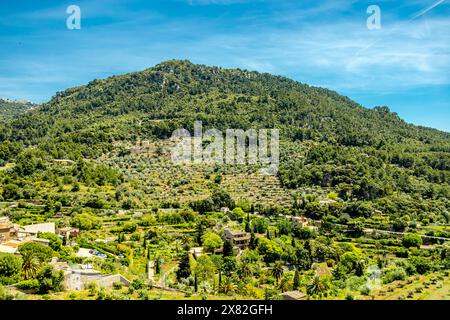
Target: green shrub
pixel 10 267
pixel 393 274
pixel 117 285
pixel 365 290
pixel 4 294
pixel 412 240
pixel 31 284
pixel 401 252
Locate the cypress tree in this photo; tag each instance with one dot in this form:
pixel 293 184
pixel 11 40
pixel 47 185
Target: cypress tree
pixel 253 240
pixel 227 248
pixel 195 283
pixel 200 231
pixel 296 284
pixel 157 266
pixel 184 267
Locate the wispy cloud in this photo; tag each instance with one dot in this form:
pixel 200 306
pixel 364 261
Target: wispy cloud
pixel 427 9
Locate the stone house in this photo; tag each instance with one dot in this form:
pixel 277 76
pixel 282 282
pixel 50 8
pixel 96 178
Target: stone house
pixel 239 239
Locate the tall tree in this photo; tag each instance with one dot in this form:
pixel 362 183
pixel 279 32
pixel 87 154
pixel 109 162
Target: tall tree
pixel 227 248
pixel 277 270
pixel 184 267
pixel 296 281
pixel 30 265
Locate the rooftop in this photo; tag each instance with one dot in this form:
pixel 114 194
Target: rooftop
pixel 235 232
pixel 294 295
pixel 40 227
pixel 7 249
pixel 323 270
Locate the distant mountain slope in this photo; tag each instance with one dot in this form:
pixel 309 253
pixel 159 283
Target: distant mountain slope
pixel 181 92
pixel 10 109
pixel 329 141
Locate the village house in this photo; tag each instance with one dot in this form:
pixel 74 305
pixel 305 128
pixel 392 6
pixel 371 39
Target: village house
pixel 301 221
pixel 12 235
pixel 322 270
pixel 7 229
pixel 68 232
pixel 293 295
pixel 304 222
pixel 239 239
pixel 196 252
pixel 79 277
pixel 32 230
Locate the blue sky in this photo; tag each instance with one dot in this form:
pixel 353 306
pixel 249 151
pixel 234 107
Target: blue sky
pixel 404 65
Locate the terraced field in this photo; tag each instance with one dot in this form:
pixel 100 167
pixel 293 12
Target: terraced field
pixel 257 188
pixel 434 286
pixel 162 181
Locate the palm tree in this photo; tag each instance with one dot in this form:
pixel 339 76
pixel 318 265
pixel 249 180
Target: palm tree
pixel 277 270
pixel 245 269
pixel 30 265
pixel 228 286
pixel 318 286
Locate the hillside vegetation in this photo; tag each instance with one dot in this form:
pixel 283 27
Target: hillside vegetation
pixel 10 109
pixel 373 189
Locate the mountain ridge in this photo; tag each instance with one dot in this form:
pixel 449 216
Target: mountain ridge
pixel 150 92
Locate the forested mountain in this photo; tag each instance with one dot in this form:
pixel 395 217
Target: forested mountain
pixel 10 109
pixel 362 154
pixel 179 91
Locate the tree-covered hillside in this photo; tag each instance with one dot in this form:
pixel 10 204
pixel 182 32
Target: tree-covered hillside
pixel 179 91
pixel 329 141
pixel 10 109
